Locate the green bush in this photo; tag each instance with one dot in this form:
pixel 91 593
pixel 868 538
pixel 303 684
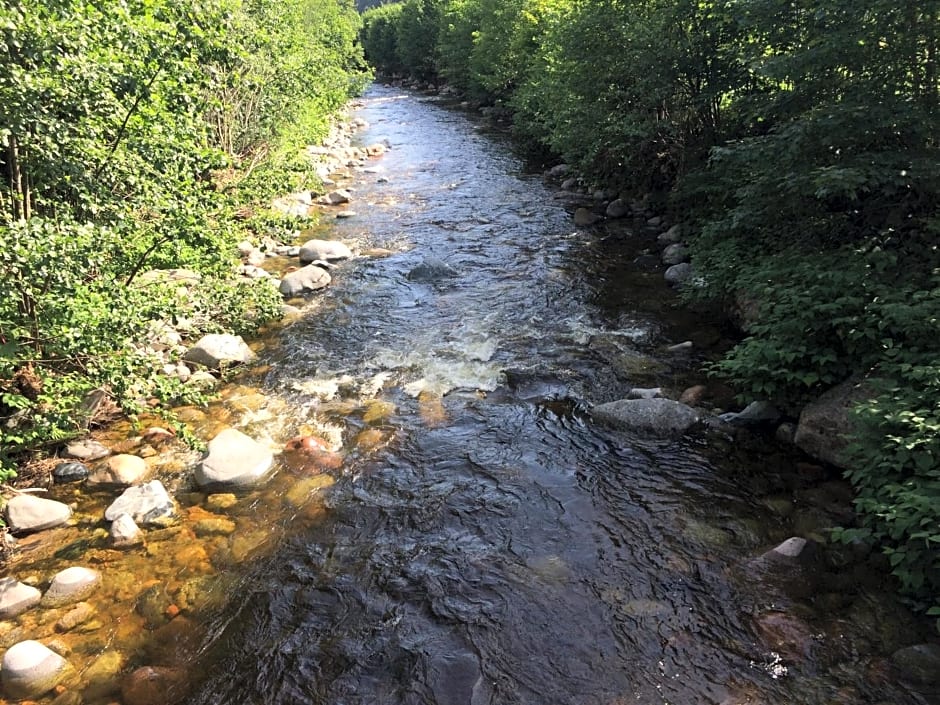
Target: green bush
pixel 116 118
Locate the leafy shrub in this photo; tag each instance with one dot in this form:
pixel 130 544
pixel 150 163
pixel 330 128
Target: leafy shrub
pixel 114 118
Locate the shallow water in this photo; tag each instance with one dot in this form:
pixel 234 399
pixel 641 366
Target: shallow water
pixel 501 548
pixel 484 541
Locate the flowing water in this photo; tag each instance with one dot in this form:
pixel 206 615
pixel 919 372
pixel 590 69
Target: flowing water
pixel 500 547
pixel 484 542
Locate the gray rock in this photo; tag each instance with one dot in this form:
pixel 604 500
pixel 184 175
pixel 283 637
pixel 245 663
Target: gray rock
pixel 147 504
pixel 70 472
pixel 786 432
pixel 16 597
pixel 569 184
pixel 335 198
pixel 329 250
pixel 920 662
pixel 618 209
pixel 120 469
pixel 641 393
pixel 28 513
pixel 253 272
pixel 71 585
pixel 346 214
pixel 295 204
pixel 584 217
pixel 234 460
pixel 30 670
pixel 671 236
pixel 202 379
pixel 675 253
pixel 661 417
pixel 86 450
pixel 678 274
pixel 430 270
pixel 654 221
pixel 304 280
pixel 125 532
pixel 559 171
pixel 824 425
pixel 217 350
pixel 757 413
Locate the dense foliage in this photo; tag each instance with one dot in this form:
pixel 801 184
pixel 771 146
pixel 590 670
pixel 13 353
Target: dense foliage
pixel 131 131
pixel 799 143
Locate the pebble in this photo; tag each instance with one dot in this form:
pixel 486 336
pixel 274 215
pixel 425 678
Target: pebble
pixel 221 501
pixel 79 614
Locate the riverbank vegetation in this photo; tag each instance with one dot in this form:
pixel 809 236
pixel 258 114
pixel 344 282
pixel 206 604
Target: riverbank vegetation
pixel 798 143
pixel 138 135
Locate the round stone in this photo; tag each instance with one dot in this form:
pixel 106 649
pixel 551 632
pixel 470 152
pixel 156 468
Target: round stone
pixel 121 469
pixel 70 472
pixel 125 532
pixel 16 597
pixel 30 669
pixel 71 585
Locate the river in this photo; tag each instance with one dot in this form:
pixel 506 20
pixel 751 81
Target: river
pixel 500 547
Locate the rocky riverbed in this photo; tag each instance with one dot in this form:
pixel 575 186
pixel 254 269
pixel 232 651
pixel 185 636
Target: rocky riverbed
pixel 445 362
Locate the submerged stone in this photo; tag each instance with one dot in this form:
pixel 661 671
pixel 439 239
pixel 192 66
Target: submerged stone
pixel 148 504
pixel 235 460
pixel 30 670
pixel 662 417
pixel 71 585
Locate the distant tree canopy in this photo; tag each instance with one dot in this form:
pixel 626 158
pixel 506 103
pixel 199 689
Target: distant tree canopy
pixel 799 143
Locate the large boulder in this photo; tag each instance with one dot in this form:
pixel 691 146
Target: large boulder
pixel 659 417
pixel 824 425
pixel 16 597
pixel 148 504
pixel 30 670
pixel 328 250
pixel 305 279
pixel 26 512
pixel 216 350
pixel 234 460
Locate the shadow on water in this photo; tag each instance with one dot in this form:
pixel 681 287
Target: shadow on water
pixel 503 549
